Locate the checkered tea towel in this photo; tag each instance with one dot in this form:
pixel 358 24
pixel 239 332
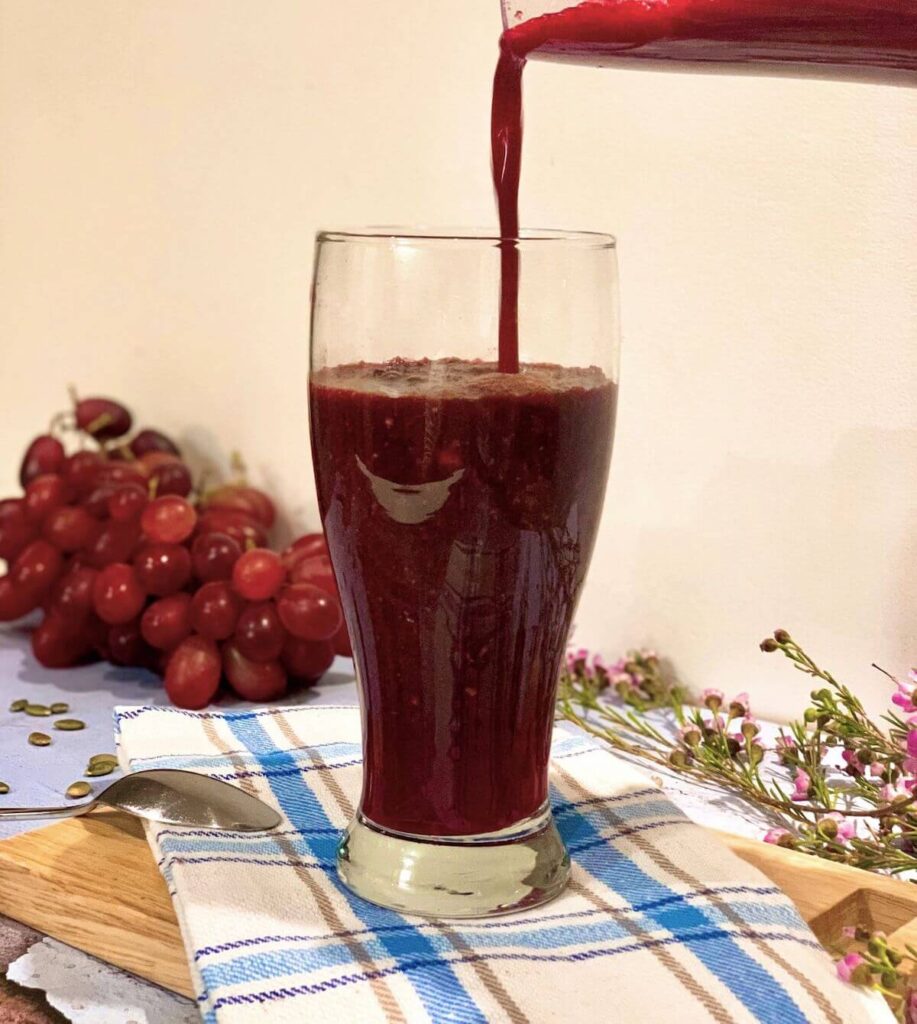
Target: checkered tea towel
pixel 659 922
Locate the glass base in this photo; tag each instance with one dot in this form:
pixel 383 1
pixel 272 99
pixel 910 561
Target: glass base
pixel 466 876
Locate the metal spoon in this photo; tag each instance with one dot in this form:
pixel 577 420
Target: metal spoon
pixel 172 797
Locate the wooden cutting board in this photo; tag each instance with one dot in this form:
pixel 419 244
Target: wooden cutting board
pixel 92 882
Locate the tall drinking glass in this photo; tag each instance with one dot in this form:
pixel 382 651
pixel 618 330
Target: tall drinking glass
pixel 460 505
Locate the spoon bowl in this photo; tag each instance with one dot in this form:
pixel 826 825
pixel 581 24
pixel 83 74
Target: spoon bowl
pixel 171 797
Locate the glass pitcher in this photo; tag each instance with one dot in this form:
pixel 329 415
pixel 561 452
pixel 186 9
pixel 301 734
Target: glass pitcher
pixel 872 39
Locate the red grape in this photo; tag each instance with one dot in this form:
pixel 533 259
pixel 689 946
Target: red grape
pixel 307 659
pixel 213 555
pixel 43 495
pixel 80 470
pixel 169 519
pixel 103 418
pixel 37 568
pixel 127 647
pixel 15 529
pixel 258 574
pixel 116 594
pixel 341 642
pixel 259 634
pixel 148 463
pixel 167 621
pixel 309 612
pixel 193 673
pixel 171 478
pixel 15 600
pixel 96 502
pixel 152 441
pixel 162 569
pixel 253 680
pixel 126 502
pixel 44 455
pixel 249 500
pixel 303 548
pixel 115 542
pixel 72 594
pixel 244 529
pixel 111 472
pixel 69 528
pixel 316 570
pixel 215 609
pixel 59 643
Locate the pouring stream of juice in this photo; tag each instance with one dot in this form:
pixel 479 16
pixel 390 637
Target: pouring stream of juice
pixel 836 38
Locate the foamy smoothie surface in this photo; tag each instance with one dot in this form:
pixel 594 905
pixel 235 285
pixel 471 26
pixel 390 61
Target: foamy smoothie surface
pixel 457 379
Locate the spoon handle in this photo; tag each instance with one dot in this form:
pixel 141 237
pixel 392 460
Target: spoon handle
pixel 31 813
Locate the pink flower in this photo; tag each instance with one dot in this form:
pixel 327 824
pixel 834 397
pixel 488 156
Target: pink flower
pixel 784 742
pixel 774 835
pixel 854 765
pixel 848 964
pixel 848 931
pixel 598 662
pixel 846 829
pixel 712 698
pixel 910 1006
pixel 739 705
pixel 802 783
pixel 909 764
pixel 876 769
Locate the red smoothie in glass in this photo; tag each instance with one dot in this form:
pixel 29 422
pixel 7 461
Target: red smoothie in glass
pixel 460 505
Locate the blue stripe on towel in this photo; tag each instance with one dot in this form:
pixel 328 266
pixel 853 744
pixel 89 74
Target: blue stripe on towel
pixel 759 990
pixel 438 988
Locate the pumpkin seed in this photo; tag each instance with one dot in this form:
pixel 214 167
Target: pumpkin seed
pixel 78 789
pixel 102 768
pixel 103 759
pixel 60 708
pixel 39 739
pixel 69 724
pixel 38 710
pixel 4 788
pixel 19 705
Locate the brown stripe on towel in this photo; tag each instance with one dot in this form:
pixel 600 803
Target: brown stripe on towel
pixel 663 862
pixel 333 922
pixel 483 970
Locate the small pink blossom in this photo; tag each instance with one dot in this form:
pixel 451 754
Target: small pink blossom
pixel 876 769
pixel 854 764
pixel 774 835
pixel 848 931
pixel 909 764
pixel 712 698
pixel 802 784
pixel 890 793
pixel 846 828
pixel 848 964
pixel 739 705
pixel 903 700
pixel 598 662
pixel 784 742
pixel 910 1006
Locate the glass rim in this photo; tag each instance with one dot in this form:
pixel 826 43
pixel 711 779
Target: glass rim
pixel 419 236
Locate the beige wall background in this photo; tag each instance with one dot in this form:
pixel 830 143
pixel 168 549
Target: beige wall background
pixel 164 165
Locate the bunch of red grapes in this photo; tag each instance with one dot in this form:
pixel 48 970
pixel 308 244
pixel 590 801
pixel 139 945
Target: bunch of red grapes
pixel 130 565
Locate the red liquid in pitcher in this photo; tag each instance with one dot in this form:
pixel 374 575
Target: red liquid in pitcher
pixel 461 506
pixel 829 35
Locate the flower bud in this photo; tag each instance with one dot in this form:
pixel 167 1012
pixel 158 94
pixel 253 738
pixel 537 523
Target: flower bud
pixel 889 979
pixel 769 645
pixel 828 828
pixel 861 975
pixel 781 636
pixel 865 755
pixel 750 730
pixel 755 754
pixel 691 735
pixel 876 945
pixel 894 957
pixel 810 715
pixel 679 759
